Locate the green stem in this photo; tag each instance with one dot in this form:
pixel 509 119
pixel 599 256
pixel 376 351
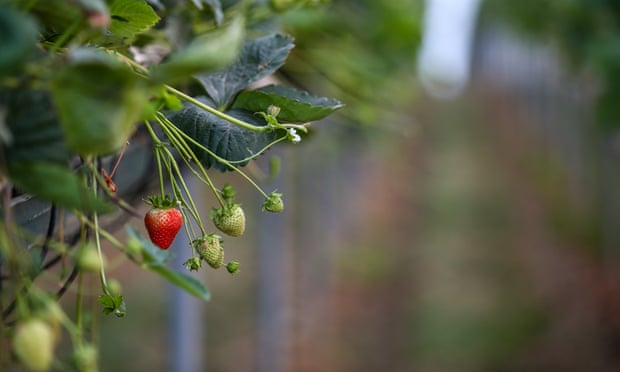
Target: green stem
pixel 156 150
pixel 218 158
pixel 187 153
pixel 243 124
pixel 173 168
pixel 96 228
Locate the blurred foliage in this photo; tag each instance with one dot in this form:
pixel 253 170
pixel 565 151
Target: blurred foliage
pixel 586 31
pixel 363 50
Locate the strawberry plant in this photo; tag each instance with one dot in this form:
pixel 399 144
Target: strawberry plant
pixel 83 83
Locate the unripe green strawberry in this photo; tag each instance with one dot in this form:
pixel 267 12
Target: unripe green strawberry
pixel 88 258
pixel 163 221
pixel 210 249
pixel 85 358
pixel 33 343
pixel 273 203
pixel 233 267
pixel 229 219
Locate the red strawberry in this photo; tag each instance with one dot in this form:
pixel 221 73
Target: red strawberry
pixel 163 221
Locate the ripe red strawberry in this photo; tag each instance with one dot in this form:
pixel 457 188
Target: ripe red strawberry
pixel 230 219
pixel 163 221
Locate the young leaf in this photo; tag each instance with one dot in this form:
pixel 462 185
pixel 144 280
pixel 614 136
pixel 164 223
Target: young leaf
pixel 112 304
pixel 131 17
pixel 295 106
pixel 99 101
pixel 207 52
pixel 226 140
pixel 56 184
pixel 258 58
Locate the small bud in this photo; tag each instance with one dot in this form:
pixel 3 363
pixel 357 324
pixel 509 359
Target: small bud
pixel 88 258
pixel 114 286
pixel 85 358
pixel 233 267
pixel 228 193
pixel 193 264
pixel 273 110
pixel 293 136
pixel 273 203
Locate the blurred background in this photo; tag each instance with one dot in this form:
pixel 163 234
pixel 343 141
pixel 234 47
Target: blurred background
pixel 461 213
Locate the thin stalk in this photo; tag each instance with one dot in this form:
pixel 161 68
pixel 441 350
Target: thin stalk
pixel 221 115
pixel 186 152
pixel 218 158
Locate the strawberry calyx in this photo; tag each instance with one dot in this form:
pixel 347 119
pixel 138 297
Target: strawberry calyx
pixel 161 201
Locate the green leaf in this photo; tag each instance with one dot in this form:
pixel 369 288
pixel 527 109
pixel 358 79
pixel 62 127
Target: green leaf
pixel 295 106
pixel 155 258
pixel 183 281
pixel 131 17
pixel 112 304
pixel 34 133
pixel 99 101
pixel 226 140
pixel 207 52
pixel 18 37
pixel 57 184
pixel 258 59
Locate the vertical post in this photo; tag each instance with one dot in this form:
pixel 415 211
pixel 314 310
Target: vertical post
pixel 186 312
pixel 274 286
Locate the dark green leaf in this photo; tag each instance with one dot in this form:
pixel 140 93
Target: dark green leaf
pixel 226 140
pixel 18 37
pixel 112 304
pixel 295 106
pixel 131 17
pixel 99 101
pixel 207 52
pixel 258 58
pixel 34 133
pixel 150 253
pixel 57 184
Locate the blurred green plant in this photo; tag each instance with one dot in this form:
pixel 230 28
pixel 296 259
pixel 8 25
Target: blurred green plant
pixel 364 50
pixel 587 32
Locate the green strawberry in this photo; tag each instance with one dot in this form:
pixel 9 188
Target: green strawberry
pixel 230 219
pixel 233 267
pixel 33 343
pixel 210 249
pixel 273 203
